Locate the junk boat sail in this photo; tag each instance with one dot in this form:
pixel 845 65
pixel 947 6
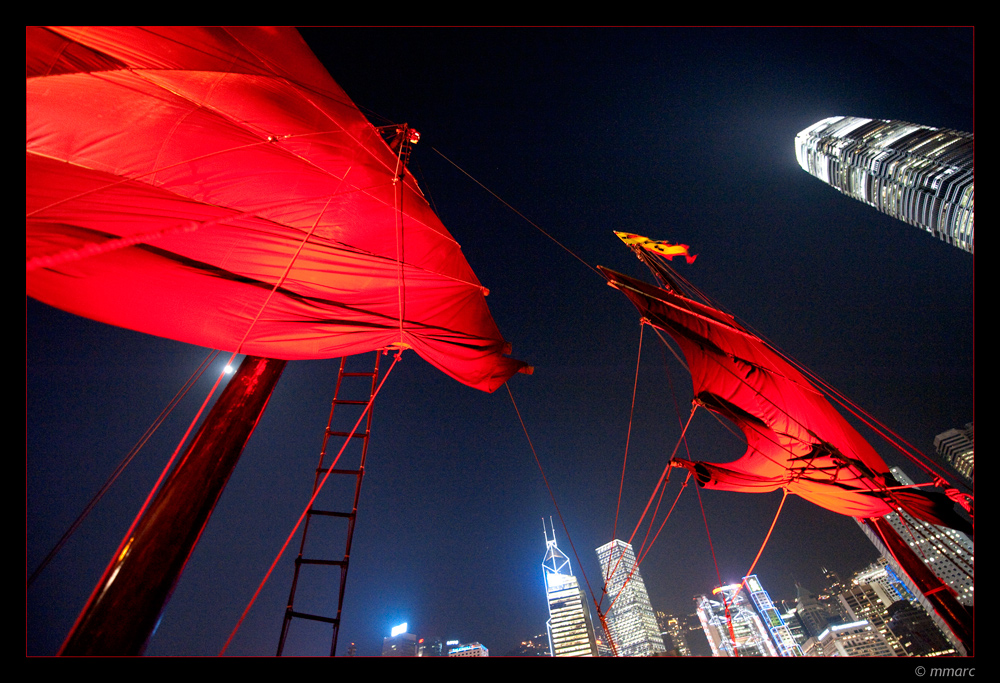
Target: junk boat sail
pixel 796 440
pixel 215 186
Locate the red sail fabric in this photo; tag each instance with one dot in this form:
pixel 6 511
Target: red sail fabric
pixel 795 438
pixel 218 151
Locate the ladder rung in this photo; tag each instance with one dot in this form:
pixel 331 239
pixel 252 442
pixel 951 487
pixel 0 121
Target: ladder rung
pixel 358 389
pixel 328 513
pixel 303 560
pixel 314 617
pixel 356 435
pixel 323 470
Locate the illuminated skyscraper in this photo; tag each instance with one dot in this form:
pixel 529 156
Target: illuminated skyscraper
pixel 736 619
pixel 400 644
pixel 856 639
pixel 918 174
pixel 672 631
pixel 630 619
pixel 957 447
pixel 946 552
pixel 571 630
pixel 781 635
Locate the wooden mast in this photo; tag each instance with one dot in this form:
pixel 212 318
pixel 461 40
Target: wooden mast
pixel 126 604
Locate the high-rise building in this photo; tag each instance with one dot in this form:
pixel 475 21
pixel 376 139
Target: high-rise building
pixel 918 174
pixel 781 635
pixel 946 552
pixel 898 615
pixel 672 631
pixel 814 615
pixel 732 626
pixel 855 639
pixel 916 632
pixel 469 650
pixel 570 628
pixel 881 573
pixel 871 602
pixel 631 619
pixel 400 644
pixel 957 447
pixel 538 646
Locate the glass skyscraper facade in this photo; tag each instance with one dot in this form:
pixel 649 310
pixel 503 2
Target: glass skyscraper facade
pixel 781 635
pixel 570 628
pixel 948 553
pixel 731 623
pixel 957 447
pixel 918 174
pixel 631 619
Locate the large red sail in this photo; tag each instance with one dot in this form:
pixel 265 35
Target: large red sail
pixel 795 439
pixel 225 155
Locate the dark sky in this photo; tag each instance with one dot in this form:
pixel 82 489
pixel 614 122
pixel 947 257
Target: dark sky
pixel 679 134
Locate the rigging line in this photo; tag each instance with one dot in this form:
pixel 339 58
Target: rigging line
pixel 527 220
pixel 309 505
pixel 663 476
pixel 928 465
pixel 656 489
pixel 671 348
pixel 142 510
pixel 398 220
pixel 645 550
pixel 97 248
pixel 791 418
pixel 284 275
pixel 664 522
pixel 718 574
pixel 628 436
pixel 123 464
pixel 552 496
pixel 762 545
pixel 882 430
pixel 245 126
pixel 711 547
pixel 687 448
pixel 673 394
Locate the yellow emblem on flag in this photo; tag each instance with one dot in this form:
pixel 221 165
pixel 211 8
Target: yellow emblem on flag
pixel 664 249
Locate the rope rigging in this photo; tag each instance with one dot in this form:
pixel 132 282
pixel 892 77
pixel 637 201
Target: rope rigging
pixel 799 466
pixel 125 462
pixel 669 277
pixel 305 511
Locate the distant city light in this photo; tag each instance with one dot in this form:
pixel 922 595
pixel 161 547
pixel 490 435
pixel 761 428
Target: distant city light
pixel 396 630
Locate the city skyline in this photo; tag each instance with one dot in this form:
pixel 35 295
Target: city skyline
pixel 679 134
pixel 874 596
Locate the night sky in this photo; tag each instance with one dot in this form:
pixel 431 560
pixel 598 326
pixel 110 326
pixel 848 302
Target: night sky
pixel 678 134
